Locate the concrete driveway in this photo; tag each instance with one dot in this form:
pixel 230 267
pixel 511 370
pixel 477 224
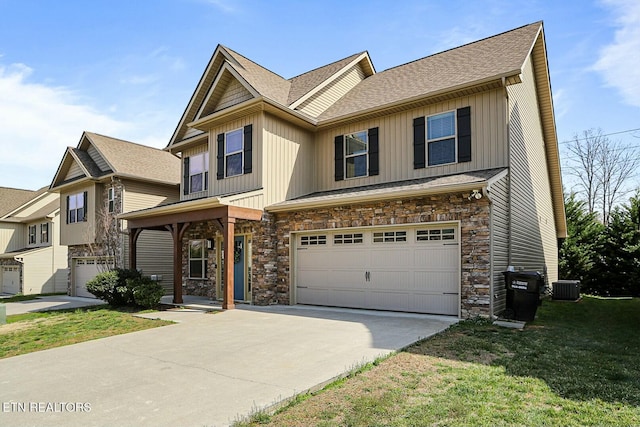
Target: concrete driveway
pixel 50 302
pixel 207 370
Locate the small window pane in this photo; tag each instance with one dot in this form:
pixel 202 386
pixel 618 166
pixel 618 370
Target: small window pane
pixel 441 152
pixel 441 125
pixel 195 249
pixel 196 164
pixel 80 213
pixel 356 143
pixel 234 142
pixel 234 164
pixel 196 183
pixel 356 166
pixel 72 202
pixel 195 268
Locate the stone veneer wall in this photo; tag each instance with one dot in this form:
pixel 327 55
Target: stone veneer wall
pixel 263 259
pixel 474 228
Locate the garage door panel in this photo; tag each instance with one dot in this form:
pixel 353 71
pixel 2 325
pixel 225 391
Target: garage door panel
pixel 11 280
pixel 404 269
pixel 391 256
pixel 388 301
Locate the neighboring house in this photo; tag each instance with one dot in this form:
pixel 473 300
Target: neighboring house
pixel 98 180
pixel 32 260
pixel 410 189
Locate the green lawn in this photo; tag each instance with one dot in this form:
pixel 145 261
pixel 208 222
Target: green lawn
pixel 25 333
pixel 577 364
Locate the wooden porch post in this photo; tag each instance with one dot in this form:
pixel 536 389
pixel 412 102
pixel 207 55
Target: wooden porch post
pixel 177 232
pixel 133 247
pixel 229 234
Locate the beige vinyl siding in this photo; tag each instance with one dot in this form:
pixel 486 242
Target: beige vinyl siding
pixel 97 158
pixel 59 256
pixel 39 273
pixel 499 194
pixel 80 233
pixel 488 145
pixel 12 237
pixel 192 132
pixel 74 171
pixel 235 93
pixel 249 200
pixel 327 96
pixel 240 183
pixel 533 232
pixel 142 195
pixel 288 160
pixel 202 148
pixel 154 256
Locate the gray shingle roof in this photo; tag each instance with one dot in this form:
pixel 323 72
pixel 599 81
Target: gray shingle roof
pixel 12 198
pixel 388 189
pixel 265 82
pixel 465 65
pixel 304 83
pixel 135 160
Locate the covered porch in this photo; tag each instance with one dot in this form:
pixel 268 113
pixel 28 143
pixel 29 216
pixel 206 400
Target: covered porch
pixel 177 219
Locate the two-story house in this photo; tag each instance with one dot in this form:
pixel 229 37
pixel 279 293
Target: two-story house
pixel 410 189
pixel 32 260
pixel 99 179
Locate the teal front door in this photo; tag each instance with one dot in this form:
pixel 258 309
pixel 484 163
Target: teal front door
pixel 238 268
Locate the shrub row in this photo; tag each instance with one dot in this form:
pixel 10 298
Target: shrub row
pixel 122 287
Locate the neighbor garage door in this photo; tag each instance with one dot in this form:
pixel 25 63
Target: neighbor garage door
pixel 85 269
pixel 414 269
pixel 11 280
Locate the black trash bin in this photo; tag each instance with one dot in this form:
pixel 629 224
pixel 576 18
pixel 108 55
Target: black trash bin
pixel 523 294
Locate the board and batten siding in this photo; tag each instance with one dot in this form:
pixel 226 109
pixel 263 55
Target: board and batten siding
pixel 499 194
pixel 327 96
pixel 241 183
pixel 288 160
pixel 488 144
pixel 12 237
pixel 80 233
pixel 533 232
pixel 154 256
pixel 97 158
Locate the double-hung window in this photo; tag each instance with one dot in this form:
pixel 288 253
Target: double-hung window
pixel 44 233
pixel 233 153
pixel 441 138
pixel 356 153
pixel 111 199
pixel 32 234
pixel 76 207
pixel 198 172
pixel 198 259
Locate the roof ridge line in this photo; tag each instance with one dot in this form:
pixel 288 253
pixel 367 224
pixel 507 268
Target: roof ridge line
pixel 253 62
pixel 461 46
pixel 326 65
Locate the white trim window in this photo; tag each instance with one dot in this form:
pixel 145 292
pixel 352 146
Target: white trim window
pixel 44 232
pixel 441 139
pixel 234 153
pixel 197 259
pixel 32 234
pixel 356 154
pixel 198 172
pixel 111 199
pixel 76 208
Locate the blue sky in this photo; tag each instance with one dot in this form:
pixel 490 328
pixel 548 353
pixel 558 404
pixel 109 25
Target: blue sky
pixel 128 68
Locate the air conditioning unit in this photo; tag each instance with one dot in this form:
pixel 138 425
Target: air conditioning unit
pixel 566 290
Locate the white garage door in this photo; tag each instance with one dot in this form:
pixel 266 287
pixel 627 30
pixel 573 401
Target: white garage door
pixel 84 270
pixel 11 280
pixel 414 269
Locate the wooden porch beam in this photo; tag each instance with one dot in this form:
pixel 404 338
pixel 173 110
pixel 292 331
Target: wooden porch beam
pixel 229 234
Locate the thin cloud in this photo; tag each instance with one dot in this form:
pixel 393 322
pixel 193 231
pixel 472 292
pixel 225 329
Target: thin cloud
pixel 619 62
pixel 38 123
